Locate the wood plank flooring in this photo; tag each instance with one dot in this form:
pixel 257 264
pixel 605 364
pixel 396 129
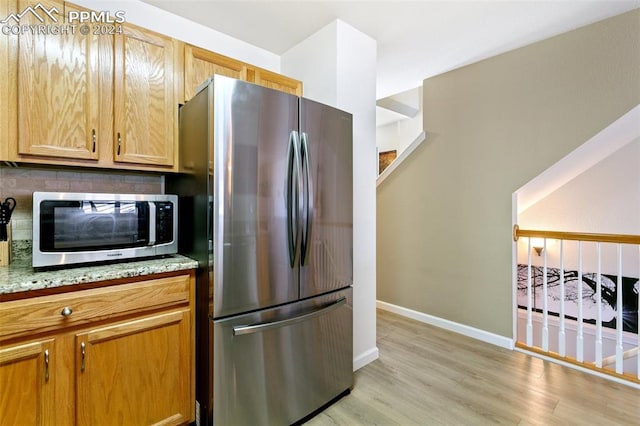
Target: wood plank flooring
pixel 429 376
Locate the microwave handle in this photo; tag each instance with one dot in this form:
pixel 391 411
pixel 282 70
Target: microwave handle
pixel 152 223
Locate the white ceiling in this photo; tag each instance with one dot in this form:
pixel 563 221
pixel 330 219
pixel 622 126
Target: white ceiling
pixel 416 39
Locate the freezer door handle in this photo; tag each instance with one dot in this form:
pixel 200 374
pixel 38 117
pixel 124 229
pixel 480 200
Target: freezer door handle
pixel 293 198
pixel 308 198
pixel 257 328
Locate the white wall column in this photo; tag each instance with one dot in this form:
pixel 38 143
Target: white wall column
pixel 337 66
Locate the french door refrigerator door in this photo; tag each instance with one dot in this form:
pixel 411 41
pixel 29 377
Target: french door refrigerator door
pixel 327 225
pixel 276 366
pixel 253 176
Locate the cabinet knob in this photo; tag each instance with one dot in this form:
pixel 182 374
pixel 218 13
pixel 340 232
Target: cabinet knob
pixel 66 311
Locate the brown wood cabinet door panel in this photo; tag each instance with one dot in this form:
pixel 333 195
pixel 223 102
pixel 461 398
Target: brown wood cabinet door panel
pixel 145 101
pixel 8 85
pixel 277 81
pixel 136 372
pixel 26 377
pixel 200 64
pixel 58 91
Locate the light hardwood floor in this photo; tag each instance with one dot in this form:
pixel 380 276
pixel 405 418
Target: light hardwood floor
pixel 429 376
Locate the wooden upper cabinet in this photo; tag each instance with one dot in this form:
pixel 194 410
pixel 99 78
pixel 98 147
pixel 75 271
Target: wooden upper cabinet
pixel 7 88
pixel 276 81
pixel 145 102
pixel 200 64
pixel 59 91
pixel 98 100
pixel 103 100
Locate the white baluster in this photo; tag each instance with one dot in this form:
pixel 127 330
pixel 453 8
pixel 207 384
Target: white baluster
pixel 599 308
pixel 529 300
pixel 545 303
pixel 580 336
pixel 619 325
pixel 562 344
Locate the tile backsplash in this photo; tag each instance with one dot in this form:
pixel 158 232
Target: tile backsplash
pixel 20 183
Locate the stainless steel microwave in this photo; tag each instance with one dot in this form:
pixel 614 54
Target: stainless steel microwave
pixel 70 228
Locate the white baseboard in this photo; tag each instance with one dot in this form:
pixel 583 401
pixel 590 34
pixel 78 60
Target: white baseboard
pixel 465 330
pixel 365 358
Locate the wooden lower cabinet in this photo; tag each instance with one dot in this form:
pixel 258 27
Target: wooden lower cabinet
pixel 26 384
pixel 135 373
pixel 121 369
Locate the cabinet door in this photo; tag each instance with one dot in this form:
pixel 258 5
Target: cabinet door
pixel 276 81
pixel 200 64
pixel 8 86
pixel 145 99
pixel 138 372
pixel 59 90
pixel 26 377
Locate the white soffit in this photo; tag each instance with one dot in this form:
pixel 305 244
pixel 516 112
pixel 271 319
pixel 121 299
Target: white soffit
pixel 416 39
pixel 401 106
pixel 406 103
pixel 385 117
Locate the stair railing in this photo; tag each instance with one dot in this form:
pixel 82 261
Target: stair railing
pixel 614 300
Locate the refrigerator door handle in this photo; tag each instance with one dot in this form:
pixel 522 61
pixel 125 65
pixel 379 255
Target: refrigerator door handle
pixel 308 198
pixel 293 198
pixel 239 330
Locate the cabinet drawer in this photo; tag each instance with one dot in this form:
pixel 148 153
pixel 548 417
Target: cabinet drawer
pixel 45 313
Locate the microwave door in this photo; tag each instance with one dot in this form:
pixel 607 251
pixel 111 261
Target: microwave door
pixel 99 225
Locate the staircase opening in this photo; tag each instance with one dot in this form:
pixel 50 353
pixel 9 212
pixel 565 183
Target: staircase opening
pixel 576 256
pixel 399 129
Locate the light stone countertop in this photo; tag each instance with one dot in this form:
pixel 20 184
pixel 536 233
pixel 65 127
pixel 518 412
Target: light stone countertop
pixel 20 276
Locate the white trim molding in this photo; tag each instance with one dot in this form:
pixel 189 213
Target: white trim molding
pixel 403 156
pixel 365 358
pixel 465 330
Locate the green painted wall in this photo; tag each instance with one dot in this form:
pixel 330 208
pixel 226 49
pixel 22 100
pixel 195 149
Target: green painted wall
pixel 444 216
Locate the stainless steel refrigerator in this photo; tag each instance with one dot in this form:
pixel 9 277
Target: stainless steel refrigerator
pixel 266 208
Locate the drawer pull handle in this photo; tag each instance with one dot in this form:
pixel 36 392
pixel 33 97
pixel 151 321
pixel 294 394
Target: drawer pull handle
pixel 82 351
pixel 46 365
pixel 66 311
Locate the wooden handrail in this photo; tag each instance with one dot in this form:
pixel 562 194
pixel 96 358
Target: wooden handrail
pixel 625 355
pixel 575 236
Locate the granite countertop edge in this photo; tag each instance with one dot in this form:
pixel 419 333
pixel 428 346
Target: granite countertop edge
pixel 20 276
